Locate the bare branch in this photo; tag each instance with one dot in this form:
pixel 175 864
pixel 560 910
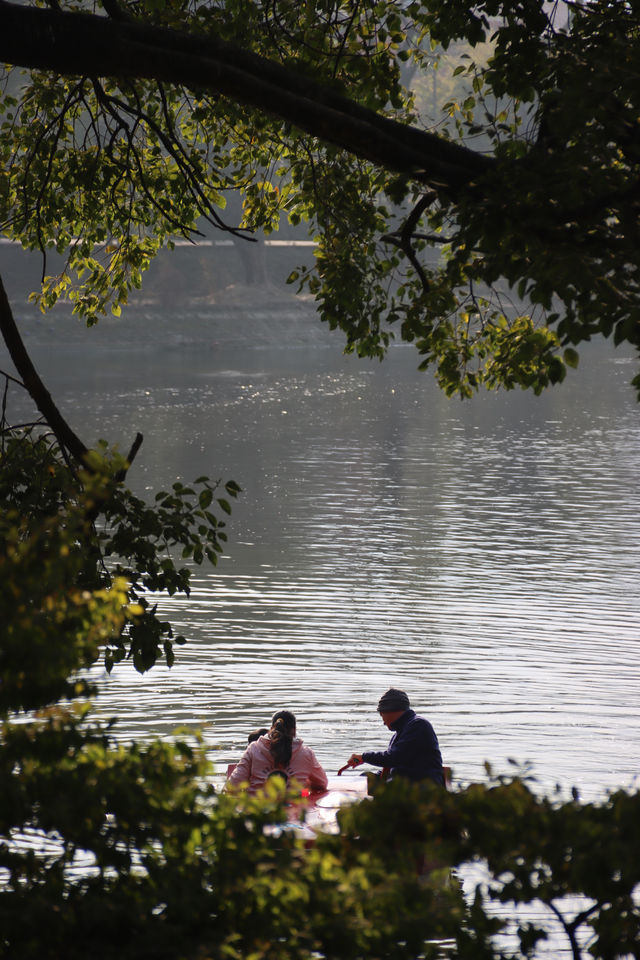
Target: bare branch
pixel 403 237
pixel 114 10
pixel 39 393
pixel 135 446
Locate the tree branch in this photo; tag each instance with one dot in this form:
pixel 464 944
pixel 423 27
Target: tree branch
pixel 31 381
pixel 402 238
pixel 89 45
pixel 37 390
pixel 135 446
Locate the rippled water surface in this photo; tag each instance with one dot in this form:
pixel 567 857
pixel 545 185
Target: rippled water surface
pixel 483 556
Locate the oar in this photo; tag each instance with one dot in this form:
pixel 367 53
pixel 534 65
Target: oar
pixel 347 766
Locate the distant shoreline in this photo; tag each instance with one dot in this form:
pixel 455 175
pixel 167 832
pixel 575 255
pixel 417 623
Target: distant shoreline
pixel 246 318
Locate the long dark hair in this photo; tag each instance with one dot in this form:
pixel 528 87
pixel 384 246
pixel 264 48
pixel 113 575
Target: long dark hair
pixel 281 734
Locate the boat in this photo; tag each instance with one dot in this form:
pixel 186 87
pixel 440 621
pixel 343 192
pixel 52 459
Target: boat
pixel 317 810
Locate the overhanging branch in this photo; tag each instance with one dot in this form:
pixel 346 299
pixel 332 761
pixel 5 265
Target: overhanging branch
pixel 72 43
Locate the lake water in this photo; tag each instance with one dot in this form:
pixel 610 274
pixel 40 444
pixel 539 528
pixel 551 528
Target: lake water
pixel 483 556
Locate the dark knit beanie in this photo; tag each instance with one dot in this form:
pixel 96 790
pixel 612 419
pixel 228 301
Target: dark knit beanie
pixel 393 700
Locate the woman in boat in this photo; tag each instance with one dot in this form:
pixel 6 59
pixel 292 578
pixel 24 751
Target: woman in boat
pixel 279 751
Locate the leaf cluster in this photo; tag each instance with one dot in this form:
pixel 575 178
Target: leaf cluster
pixel 109 537
pixel 129 851
pixel 494 270
pixel 125 849
pixel 575 863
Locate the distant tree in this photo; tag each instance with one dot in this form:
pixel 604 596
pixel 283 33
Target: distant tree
pixel 135 119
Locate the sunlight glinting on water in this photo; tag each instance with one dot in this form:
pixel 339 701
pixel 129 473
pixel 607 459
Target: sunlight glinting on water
pixel 483 556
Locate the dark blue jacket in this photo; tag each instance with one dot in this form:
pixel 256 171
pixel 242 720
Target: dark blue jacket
pixel 413 750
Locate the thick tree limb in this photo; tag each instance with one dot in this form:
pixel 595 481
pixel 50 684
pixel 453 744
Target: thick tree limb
pixel 96 46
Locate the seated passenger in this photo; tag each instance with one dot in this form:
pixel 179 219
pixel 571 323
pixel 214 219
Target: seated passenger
pixel 256 734
pixel 279 751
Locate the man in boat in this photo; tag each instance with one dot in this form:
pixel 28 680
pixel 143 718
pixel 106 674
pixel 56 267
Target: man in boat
pixel 413 751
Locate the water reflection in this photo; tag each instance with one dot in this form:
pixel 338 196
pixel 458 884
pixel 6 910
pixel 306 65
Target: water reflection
pixel 482 556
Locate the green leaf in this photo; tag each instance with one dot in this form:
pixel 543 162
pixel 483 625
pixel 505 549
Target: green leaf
pixel 205 498
pixel 571 357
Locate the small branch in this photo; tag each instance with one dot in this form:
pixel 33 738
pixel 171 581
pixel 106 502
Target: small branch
pixel 4 410
pixel 569 929
pixel 190 172
pixel 410 254
pixel 7 376
pixel 432 238
pixel 135 446
pixel 114 10
pixel 343 41
pixel 27 425
pixel 416 213
pixel 402 238
pixel 474 299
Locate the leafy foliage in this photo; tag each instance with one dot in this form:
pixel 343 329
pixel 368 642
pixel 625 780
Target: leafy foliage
pixel 110 537
pixel 126 850
pixel 576 864
pixel 497 258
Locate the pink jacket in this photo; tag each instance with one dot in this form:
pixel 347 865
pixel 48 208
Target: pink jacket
pixel 257 762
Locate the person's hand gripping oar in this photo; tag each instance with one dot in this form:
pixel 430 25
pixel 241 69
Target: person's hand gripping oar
pixel 354 761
